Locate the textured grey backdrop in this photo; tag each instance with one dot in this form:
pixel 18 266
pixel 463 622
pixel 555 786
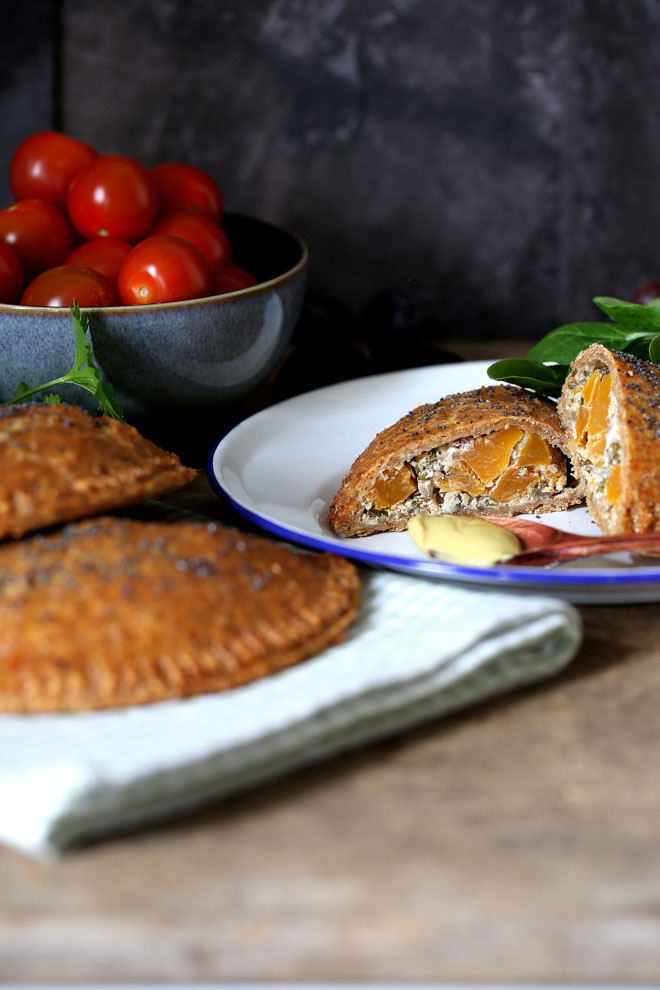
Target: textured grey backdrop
pixel 498 160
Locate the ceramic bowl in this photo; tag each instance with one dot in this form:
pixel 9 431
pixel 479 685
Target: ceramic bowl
pixel 181 358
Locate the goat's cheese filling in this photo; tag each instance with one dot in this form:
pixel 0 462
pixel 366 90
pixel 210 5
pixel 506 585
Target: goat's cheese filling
pixel 511 467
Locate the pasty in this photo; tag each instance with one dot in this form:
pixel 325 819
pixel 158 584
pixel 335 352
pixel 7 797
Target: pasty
pixel 58 463
pixel 112 612
pixel 497 450
pixel 610 412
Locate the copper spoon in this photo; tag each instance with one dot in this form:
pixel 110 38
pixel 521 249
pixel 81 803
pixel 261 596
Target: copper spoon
pixel 547 545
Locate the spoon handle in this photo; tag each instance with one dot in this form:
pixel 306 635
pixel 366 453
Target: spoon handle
pixel 588 547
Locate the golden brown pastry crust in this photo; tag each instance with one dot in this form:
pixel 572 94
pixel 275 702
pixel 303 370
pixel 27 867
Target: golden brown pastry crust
pixel 636 389
pixel 58 463
pixel 112 612
pixel 465 414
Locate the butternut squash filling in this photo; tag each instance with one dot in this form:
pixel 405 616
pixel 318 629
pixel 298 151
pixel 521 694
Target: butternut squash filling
pixel 510 466
pixel 597 439
pixel 393 486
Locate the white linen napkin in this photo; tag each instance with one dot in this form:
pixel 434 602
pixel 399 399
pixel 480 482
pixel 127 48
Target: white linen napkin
pixel 417 651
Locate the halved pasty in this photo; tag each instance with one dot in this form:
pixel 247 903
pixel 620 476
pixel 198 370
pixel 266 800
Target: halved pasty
pixel 610 412
pixel 497 450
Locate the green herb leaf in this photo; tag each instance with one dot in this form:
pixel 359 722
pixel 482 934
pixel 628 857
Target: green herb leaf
pixel 639 346
pixel 20 391
pixel 565 343
pixel 105 396
pixel 84 373
pixel 634 329
pixel 543 378
pixel 630 316
pixel 51 399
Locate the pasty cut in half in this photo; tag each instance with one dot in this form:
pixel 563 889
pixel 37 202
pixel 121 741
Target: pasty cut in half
pixel 610 411
pixel 497 450
pixel 59 464
pixel 112 612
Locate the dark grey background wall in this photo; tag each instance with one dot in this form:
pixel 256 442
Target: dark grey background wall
pixel 498 160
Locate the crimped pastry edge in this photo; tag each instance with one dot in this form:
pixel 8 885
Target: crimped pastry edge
pixel 159 473
pixel 41 683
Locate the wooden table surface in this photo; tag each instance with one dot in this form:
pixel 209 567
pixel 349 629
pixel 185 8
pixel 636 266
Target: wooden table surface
pixel 519 841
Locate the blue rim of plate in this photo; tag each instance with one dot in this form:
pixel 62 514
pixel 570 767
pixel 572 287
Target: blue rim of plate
pixel 537 576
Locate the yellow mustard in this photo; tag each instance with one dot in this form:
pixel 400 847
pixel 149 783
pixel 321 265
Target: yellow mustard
pixel 463 539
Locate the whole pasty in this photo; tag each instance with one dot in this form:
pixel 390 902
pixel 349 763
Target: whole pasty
pixel 111 612
pixel 58 463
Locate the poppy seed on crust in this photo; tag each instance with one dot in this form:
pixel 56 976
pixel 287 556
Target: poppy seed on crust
pixel 439 424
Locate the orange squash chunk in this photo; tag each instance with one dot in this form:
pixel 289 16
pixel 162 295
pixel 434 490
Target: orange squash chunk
pixel 613 485
pixel 393 487
pixel 460 478
pixel 596 448
pixel 589 393
pixel 597 425
pixel 534 451
pixel 589 386
pixel 581 421
pixel 511 485
pixel 491 454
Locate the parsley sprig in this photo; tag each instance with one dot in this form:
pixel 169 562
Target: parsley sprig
pixel 634 329
pixel 84 373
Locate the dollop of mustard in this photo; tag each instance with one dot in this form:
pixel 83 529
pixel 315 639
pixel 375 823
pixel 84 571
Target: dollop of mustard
pixel 463 539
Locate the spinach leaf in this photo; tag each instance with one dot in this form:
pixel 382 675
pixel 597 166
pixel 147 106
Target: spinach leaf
pixel 565 343
pixel 630 316
pixel 634 329
pixel 544 378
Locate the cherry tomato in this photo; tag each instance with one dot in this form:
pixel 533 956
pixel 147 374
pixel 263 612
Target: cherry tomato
pixel 44 164
pixel 186 187
pixel 163 269
pixel 39 232
pixel 113 196
pixel 104 254
pixel 197 228
pixel 61 285
pixel 231 278
pixel 11 274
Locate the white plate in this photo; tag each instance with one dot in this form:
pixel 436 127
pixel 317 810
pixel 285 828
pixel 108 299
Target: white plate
pixel 282 467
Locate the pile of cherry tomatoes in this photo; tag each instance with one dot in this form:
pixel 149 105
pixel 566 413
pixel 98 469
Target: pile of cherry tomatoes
pixel 106 231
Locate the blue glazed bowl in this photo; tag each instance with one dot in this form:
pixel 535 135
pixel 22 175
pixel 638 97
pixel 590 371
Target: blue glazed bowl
pixel 182 358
